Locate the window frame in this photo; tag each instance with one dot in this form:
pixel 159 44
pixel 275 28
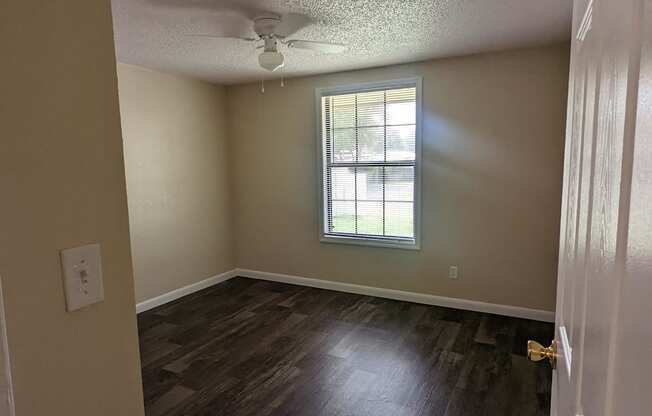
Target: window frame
pixel 373 241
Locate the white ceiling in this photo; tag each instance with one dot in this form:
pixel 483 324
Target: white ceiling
pixel 153 33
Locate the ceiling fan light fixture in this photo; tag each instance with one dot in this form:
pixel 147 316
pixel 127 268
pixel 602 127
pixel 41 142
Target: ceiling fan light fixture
pixel 271 60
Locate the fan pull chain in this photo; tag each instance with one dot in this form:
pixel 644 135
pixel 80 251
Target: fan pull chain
pixel 282 76
pixel 262 86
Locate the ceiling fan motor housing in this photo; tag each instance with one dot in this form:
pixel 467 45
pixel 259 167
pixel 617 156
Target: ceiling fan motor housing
pixel 270 44
pixel 265 25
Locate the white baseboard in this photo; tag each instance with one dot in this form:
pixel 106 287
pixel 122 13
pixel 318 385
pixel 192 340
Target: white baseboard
pixel 183 291
pixel 471 305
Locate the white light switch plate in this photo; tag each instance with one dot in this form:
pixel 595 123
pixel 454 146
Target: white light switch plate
pixel 82 276
pixel 452 272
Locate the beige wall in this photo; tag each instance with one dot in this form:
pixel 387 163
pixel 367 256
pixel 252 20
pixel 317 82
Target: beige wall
pixel 174 132
pixel 492 163
pixel 61 185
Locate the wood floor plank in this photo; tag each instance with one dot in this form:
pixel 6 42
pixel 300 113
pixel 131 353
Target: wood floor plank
pixel 169 400
pixel 249 347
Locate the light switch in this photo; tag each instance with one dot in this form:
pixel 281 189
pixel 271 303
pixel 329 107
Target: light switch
pixel 452 272
pixel 82 276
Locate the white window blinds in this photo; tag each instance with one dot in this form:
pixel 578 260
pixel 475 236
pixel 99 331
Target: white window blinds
pixel 369 145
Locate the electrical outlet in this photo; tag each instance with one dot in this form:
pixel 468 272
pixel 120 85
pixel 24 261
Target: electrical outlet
pixel 452 272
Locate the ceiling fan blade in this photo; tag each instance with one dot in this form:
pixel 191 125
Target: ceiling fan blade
pixel 203 35
pixel 291 23
pixel 235 6
pixel 325 47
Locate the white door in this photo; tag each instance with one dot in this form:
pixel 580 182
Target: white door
pixel 604 293
pixel 6 393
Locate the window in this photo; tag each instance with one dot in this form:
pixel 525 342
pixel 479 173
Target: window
pixel 369 158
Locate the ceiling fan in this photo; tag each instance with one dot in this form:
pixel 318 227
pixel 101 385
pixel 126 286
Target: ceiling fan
pixel 272 30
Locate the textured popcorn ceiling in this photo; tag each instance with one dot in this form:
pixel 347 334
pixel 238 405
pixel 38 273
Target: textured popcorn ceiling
pixel 152 33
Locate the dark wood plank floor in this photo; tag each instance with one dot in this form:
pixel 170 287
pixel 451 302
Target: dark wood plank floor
pixel 250 347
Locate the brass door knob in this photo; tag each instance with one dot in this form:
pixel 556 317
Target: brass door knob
pixel 537 352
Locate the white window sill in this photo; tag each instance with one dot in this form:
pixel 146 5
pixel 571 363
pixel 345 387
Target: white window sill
pixel 405 244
